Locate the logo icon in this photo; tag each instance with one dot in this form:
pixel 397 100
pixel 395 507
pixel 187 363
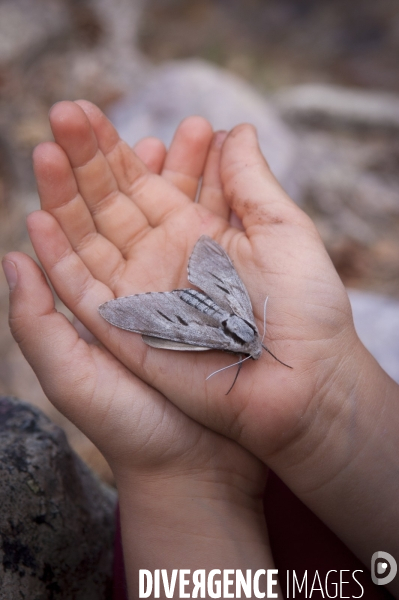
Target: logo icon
pixel 383 568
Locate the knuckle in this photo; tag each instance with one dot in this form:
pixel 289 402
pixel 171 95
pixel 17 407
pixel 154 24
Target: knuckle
pixel 18 327
pixel 86 241
pixel 104 203
pixel 84 288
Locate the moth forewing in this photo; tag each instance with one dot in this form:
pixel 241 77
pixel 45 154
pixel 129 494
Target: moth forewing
pixel 211 269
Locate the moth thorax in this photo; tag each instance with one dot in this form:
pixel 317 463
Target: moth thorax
pixel 240 328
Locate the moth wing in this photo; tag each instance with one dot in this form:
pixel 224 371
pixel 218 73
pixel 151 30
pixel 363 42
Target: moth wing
pixel 211 269
pixel 165 316
pixel 169 345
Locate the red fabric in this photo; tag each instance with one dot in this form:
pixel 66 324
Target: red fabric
pixel 299 542
pixel 119 589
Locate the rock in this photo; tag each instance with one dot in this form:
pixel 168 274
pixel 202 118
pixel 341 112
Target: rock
pixel 53 50
pixel 26 26
pixel 178 89
pixel 350 182
pixel 335 106
pixel 56 520
pixel 344 187
pixel 376 320
pixel 116 54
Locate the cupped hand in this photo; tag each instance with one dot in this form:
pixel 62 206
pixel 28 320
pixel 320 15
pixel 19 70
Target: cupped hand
pixel 111 226
pixel 136 427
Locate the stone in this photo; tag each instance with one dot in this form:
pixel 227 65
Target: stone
pixel 53 50
pixel 178 89
pixel 335 106
pixel 26 26
pixel 57 520
pixel 350 182
pixel 345 190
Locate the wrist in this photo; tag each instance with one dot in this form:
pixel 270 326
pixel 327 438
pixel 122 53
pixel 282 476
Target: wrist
pixel 342 416
pixel 197 502
pixel 196 521
pixel 344 466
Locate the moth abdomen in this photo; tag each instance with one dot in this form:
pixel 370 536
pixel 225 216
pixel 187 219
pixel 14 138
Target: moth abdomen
pixel 201 302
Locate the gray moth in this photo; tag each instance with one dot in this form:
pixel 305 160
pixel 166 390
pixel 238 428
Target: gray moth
pixel 218 316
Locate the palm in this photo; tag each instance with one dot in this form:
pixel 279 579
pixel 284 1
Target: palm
pixel 134 232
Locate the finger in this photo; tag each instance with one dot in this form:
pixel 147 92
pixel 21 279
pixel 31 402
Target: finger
pixel 72 280
pixel 152 152
pixel 83 332
pixel 185 160
pixel 211 195
pixel 116 217
pixel 249 186
pixel 59 195
pixel 49 342
pixel 79 291
pixel 154 196
pixel 83 381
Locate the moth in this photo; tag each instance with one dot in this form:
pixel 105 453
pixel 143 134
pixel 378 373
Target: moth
pixel 217 316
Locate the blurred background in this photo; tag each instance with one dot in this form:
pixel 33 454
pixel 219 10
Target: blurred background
pixel 319 79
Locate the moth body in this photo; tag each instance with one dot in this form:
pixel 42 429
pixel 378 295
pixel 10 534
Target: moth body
pixel 239 328
pixel 232 325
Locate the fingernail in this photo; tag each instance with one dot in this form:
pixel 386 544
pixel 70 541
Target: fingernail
pixel 219 138
pixel 10 271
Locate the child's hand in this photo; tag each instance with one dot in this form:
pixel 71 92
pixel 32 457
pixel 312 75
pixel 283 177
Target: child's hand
pixel 110 227
pixel 181 486
pixel 130 421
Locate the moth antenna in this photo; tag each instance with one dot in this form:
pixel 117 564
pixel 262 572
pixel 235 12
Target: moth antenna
pixel 275 357
pixel 264 319
pixel 235 378
pixel 263 337
pixel 198 192
pixel 228 367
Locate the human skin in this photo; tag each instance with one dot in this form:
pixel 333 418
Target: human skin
pixel 189 497
pixel 328 427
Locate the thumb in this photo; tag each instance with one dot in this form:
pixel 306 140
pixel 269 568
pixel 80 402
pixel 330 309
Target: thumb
pixel 46 338
pixel 249 186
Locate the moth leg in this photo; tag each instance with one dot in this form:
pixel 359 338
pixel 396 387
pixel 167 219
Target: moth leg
pixel 235 378
pixel 275 357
